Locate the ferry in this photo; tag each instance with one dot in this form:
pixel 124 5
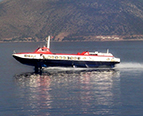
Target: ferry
pixel 43 57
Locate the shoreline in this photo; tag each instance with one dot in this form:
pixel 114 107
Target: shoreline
pixel 74 41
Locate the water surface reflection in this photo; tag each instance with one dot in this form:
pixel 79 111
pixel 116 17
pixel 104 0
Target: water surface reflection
pixel 34 92
pixel 70 92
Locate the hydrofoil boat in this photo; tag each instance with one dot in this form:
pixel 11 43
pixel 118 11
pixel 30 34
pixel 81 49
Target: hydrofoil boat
pixel 43 57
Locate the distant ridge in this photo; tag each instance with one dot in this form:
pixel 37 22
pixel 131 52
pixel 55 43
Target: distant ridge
pixel 69 20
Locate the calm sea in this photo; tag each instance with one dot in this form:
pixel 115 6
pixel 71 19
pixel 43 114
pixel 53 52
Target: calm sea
pixel 72 92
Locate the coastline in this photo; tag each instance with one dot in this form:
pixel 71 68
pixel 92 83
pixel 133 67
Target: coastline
pixel 74 41
pixel 64 38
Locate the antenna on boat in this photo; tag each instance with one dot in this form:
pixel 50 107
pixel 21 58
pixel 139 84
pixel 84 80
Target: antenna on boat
pixel 107 51
pixel 48 41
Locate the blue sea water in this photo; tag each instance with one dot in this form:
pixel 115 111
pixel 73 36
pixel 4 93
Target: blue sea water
pixel 73 92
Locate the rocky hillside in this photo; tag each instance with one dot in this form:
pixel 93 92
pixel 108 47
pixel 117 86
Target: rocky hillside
pixel 33 20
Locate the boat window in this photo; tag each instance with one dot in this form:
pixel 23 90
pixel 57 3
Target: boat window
pixel 56 57
pixel 64 57
pixel 44 50
pixel 60 57
pixel 39 49
pixel 49 57
pixel 75 58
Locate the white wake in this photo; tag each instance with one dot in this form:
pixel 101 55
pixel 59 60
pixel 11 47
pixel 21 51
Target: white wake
pixel 130 65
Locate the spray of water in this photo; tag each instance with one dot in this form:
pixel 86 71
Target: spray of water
pixel 123 65
pixel 130 65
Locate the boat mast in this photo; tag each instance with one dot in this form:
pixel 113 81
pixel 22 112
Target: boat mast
pixel 107 51
pixel 48 42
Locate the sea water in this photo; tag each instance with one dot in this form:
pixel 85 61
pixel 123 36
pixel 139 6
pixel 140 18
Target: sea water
pixel 71 91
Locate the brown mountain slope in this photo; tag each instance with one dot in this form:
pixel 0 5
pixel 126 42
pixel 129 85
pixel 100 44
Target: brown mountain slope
pixel 38 18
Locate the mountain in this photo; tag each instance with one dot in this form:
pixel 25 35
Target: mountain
pixel 33 20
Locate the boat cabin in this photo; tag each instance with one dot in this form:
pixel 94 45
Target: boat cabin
pixel 42 50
